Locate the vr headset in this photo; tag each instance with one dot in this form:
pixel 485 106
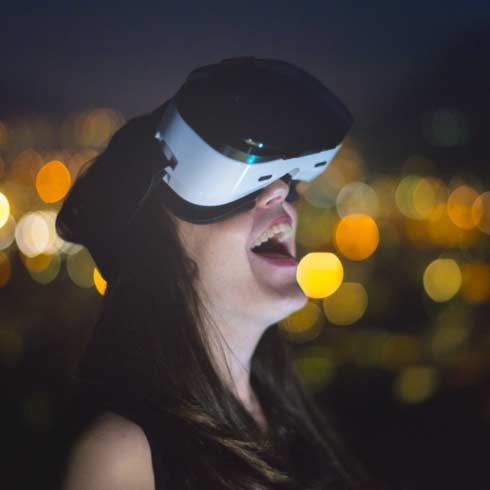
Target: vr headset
pixel 232 129
pixel 235 127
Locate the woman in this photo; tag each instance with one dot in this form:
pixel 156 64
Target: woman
pixel 187 382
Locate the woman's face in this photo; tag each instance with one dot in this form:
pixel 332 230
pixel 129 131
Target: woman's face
pixel 239 284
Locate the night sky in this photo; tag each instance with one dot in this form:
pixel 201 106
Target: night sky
pixel 58 57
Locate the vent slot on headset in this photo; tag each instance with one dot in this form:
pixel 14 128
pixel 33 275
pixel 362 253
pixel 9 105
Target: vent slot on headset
pixel 264 177
pixel 320 164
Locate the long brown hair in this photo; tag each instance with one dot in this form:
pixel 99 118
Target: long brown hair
pixel 150 345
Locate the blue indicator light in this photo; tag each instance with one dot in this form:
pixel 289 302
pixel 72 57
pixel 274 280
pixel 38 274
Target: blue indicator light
pixel 251 158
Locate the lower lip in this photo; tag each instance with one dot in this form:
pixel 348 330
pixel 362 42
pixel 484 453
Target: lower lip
pixel 278 260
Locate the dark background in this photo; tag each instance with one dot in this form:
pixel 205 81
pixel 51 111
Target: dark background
pixel 392 65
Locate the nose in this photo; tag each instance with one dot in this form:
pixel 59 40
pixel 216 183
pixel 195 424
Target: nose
pixel 273 194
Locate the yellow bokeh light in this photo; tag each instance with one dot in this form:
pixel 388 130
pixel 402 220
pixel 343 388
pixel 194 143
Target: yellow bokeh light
pixel 357 236
pixel 416 384
pixel 319 274
pixel 5 269
pixel 99 282
pixel 428 198
pixel 4 209
pixel 459 207
pixel 442 279
pixel 480 212
pixel 346 305
pixel 357 197
pixel 475 287
pixel 53 181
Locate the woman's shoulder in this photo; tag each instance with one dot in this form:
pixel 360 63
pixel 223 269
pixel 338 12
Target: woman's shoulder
pixel 111 452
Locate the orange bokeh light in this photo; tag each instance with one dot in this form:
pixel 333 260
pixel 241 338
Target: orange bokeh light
pixel 459 207
pixel 53 181
pixel 357 236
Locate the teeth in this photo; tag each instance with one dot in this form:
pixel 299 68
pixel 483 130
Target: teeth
pixel 283 230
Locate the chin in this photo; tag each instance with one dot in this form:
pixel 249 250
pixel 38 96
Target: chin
pixel 288 303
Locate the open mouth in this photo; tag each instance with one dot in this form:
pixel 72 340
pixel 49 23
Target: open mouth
pixel 272 248
pixel 274 242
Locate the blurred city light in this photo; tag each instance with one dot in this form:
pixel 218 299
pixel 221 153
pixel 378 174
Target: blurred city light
pixel 356 236
pixel 460 205
pixel 32 234
pixel 480 212
pixel 4 209
pixel 404 196
pixel 99 282
pixel 428 199
pixel 357 198
pixel 442 279
pixel 346 305
pixel 7 233
pixel 319 274
pixel 416 384
pixel 80 267
pixel 53 181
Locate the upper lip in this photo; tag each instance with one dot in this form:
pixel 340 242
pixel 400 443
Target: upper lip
pixel 289 243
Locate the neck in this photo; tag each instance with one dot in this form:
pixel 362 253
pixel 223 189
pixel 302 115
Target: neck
pixel 233 346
